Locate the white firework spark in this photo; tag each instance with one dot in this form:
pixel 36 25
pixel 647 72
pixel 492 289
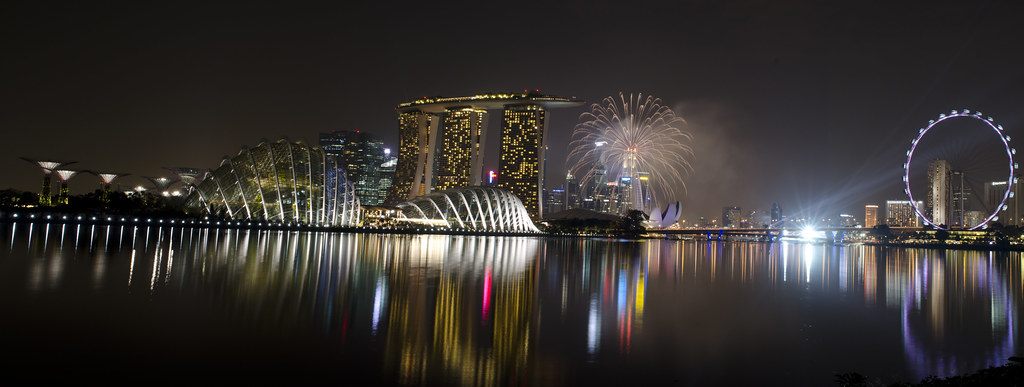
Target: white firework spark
pixel 628 138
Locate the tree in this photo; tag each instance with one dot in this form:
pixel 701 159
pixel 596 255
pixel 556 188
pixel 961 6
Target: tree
pixel 631 225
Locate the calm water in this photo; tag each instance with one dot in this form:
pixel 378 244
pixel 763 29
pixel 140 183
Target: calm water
pixel 163 304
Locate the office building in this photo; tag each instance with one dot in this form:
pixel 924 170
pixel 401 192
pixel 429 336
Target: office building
pixel 870 215
pixel 939 198
pixel 900 213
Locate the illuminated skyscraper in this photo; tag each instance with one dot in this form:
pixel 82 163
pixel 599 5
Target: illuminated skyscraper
pixel 362 156
pixel 458 158
pixel 572 192
pixel 441 145
pixel 937 204
pixel 870 215
pixel 417 130
pixel 521 163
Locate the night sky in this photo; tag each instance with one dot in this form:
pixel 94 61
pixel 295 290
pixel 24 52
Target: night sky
pixel 809 104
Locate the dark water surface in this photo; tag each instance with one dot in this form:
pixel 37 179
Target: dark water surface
pixel 194 305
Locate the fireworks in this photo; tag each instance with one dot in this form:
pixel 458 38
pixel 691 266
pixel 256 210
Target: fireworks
pixel 635 146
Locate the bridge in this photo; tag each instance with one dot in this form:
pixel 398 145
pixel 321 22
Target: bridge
pixel 829 234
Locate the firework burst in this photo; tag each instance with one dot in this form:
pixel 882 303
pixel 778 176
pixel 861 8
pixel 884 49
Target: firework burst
pixel 635 143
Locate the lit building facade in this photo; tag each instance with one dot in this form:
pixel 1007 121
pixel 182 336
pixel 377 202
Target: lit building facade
pixel 414 171
pixel 900 213
pixel 458 158
pixel 937 203
pixel 994 192
pixel 362 156
pixel 521 162
pixel 870 215
pixel 441 145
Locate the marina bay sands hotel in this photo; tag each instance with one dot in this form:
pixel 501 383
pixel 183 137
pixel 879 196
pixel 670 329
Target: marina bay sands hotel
pixel 441 145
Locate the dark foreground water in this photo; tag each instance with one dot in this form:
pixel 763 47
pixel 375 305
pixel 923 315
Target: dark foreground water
pixel 193 305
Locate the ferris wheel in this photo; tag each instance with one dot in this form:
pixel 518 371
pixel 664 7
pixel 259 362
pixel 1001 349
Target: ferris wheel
pixel 1002 172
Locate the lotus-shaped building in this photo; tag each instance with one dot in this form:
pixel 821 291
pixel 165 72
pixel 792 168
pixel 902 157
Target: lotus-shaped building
pixel 660 220
pixel 281 181
pixel 470 208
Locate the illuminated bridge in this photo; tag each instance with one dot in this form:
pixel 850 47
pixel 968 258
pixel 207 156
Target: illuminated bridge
pixel 470 208
pixel 766 234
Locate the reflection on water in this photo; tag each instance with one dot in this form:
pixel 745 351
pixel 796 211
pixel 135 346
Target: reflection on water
pixel 503 310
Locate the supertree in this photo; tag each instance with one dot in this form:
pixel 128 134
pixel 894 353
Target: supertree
pixel 64 175
pixel 107 179
pixel 189 177
pixel 636 141
pixel 48 167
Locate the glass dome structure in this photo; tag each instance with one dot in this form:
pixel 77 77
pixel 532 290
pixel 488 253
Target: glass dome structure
pixel 281 181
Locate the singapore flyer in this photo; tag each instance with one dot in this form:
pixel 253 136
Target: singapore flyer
pixel 960 172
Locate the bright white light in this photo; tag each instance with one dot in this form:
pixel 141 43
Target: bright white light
pixel 600 143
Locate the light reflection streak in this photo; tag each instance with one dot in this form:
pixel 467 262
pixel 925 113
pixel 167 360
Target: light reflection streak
pixel 472 305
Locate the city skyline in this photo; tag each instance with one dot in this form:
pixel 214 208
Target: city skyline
pixel 804 104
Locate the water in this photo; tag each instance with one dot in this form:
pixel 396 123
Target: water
pixel 180 304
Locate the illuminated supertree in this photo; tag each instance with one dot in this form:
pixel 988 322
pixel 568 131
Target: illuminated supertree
pixel 636 141
pixel 162 184
pixel 108 179
pixel 45 199
pixel 64 175
pixel 189 177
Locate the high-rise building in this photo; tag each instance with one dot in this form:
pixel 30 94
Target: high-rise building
pixel 572 192
pixel 870 215
pixel 362 156
pixel 776 214
pixel 458 160
pixel 555 200
pixel 441 145
pixel 960 199
pixel 521 162
pixel 730 217
pixel 900 213
pixel 937 203
pixel 994 193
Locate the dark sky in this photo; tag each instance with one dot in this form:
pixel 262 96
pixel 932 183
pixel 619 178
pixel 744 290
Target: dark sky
pixel 810 104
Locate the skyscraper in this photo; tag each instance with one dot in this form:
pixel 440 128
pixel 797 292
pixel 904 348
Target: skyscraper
pixel 521 163
pixel 458 158
pixel 960 195
pixel 362 156
pixel 994 193
pixel 937 203
pixel 776 214
pixel 870 215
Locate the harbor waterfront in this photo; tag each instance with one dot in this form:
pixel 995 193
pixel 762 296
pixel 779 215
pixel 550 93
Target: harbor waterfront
pixel 204 304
